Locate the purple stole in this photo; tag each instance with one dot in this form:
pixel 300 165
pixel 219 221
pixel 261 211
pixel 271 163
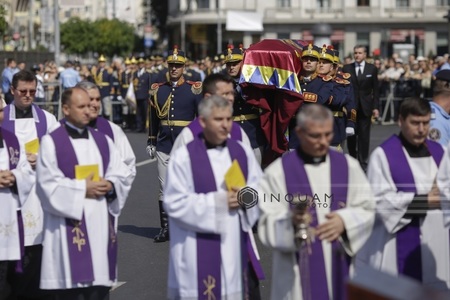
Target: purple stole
pixel 409 256
pixel 13 150
pixel 77 238
pixel 312 265
pixel 41 126
pixel 208 244
pixel 104 126
pixel 197 129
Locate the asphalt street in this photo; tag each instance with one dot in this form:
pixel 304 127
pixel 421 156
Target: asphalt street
pixel 143 265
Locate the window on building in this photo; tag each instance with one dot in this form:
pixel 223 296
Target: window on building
pixel 363 3
pixel 283 3
pixel 443 2
pixel 283 35
pixel 402 3
pixel 362 38
pixel 323 3
pixel 203 4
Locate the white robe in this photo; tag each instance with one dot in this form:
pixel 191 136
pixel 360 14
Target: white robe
pixel 190 213
pixel 66 198
pixel 381 250
pixel 11 203
pixel 33 218
pixel 122 144
pixel 277 232
pixel 186 136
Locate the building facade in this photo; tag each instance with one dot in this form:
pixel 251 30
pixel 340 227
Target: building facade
pixel 378 24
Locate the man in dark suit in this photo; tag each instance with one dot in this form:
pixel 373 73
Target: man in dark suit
pixel 364 80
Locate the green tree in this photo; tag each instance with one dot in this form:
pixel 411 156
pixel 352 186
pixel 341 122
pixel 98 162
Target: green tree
pixel 78 36
pixel 3 23
pixel 113 37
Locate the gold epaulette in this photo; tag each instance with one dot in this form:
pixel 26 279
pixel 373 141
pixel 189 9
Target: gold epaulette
pixel 196 86
pixel 154 88
pixel 339 80
pixel 353 115
pixel 346 75
pixel 346 82
pixel 326 77
pixel 309 97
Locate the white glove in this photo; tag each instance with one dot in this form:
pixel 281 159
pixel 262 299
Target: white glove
pixel 349 131
pixel 151 151
pixel 120 99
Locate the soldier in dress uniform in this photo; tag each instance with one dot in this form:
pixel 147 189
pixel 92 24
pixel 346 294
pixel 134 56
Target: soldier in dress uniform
pixel 144 81
pixel 104 79
pixel 125 78
pixel 159 68
pixel 315 88
pixel 246 115
pixel 173 106
pixel 328 65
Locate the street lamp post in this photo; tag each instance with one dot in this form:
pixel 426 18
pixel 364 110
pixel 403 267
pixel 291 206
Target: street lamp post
pixel 57 33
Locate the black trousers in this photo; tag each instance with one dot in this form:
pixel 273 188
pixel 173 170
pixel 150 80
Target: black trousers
pixel 253 284
pixel 89 293
pixel 358 144
pixel 6 270
pixel 26 285
pixel 141 114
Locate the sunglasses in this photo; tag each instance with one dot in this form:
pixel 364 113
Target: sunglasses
pixel 25 92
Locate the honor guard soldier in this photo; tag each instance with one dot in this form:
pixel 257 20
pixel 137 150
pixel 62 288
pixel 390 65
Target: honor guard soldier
pixel 342 100
pixel 159 68
pixel 105 79
pixel 315 88
pixel 349 108
pixel 144 81
pixel 246 115
pixel 173 106
pixel 125 78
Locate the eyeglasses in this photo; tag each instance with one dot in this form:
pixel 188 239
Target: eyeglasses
pixel 25 92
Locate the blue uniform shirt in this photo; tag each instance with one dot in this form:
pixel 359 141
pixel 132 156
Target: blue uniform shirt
pixel 439 125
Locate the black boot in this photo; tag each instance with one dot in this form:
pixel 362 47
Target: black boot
pixel 163 234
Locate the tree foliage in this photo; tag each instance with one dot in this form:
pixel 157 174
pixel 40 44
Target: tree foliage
pixel 78 36
pixel 107 37
pixel 3 23
pixel 114 37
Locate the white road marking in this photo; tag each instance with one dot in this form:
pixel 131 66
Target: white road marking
pixel 119 284
pixel 145 162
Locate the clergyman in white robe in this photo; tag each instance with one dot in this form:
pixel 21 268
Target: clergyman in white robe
pixel 63 198
pixel 191 213
pixel 276 228
pixel 391 217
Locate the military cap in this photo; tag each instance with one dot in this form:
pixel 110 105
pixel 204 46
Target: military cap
pixel 216 58
pixel 158 56
pixel 176 56
pixel 311 51
pixel 234 54
pixel 127 61
pixel 326 54
pixel 336 59
pixel 443 75
pixel 102 58
pixel 133 60
pixel 141 60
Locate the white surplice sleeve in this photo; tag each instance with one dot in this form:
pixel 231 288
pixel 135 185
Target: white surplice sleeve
pixel 125 150
pixel 359 213
pixel 443 183
pixel 59 195
pixel 119 174
pixel 275 228
pixel 192 211
pixel 25 178
pixel 391 205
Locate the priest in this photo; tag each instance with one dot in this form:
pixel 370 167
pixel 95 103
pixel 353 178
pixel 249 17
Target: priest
pixel 83 185
pixel 212 251
pixel 16 182
pixel 316 212
pixel 409 236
